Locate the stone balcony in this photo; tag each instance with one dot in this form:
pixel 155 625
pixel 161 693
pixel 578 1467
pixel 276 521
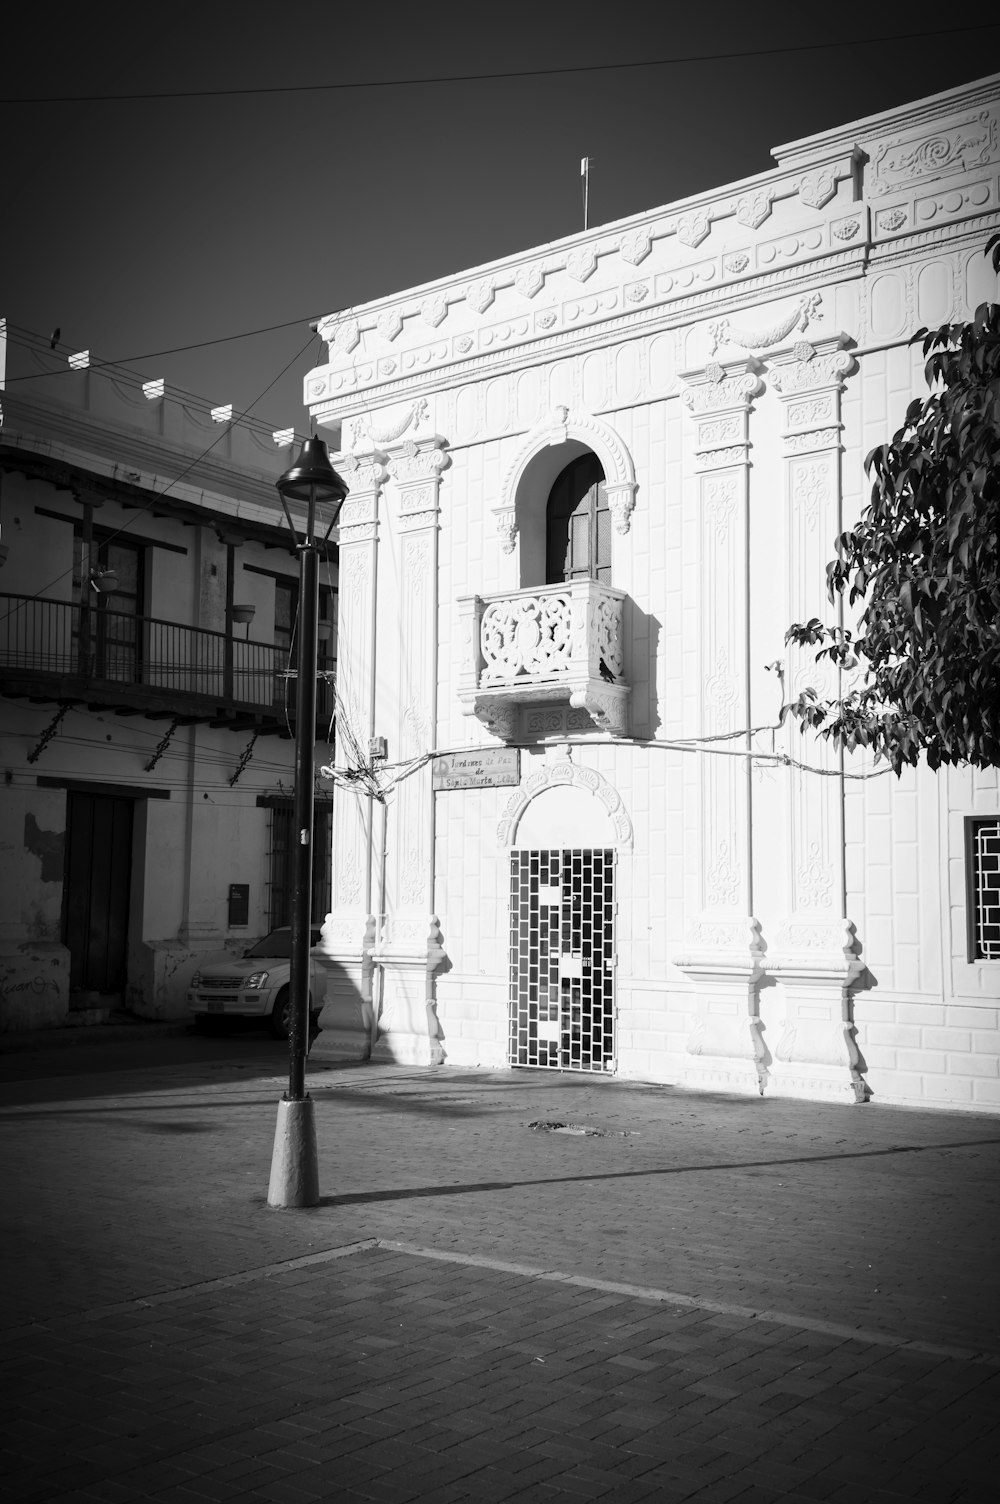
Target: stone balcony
pixel 544 644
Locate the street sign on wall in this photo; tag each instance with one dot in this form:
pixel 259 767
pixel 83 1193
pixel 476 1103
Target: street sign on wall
pixel 488 768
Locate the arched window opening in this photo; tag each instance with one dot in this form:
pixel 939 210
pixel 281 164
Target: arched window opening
pixel 578 524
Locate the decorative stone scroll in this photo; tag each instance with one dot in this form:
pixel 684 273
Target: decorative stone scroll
pixel 919 155
pixel 722 951
pixel 814 949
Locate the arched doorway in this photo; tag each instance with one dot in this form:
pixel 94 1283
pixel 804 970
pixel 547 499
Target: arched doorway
pixel 562 913
pixel 578 524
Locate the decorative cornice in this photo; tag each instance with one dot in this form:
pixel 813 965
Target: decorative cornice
pixel 354 388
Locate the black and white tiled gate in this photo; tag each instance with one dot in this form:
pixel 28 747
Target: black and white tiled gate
pixel 562 926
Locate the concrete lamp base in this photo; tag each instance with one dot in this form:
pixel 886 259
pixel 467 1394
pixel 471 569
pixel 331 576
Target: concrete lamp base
pixel 294 1163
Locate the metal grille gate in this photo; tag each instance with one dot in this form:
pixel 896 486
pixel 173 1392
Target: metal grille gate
pixel 562 931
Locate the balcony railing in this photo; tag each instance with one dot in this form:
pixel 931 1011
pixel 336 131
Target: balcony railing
pixel 173 663
pixel 550 642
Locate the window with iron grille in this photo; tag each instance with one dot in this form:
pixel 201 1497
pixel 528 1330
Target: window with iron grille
pixel 982 870
pixel 280 846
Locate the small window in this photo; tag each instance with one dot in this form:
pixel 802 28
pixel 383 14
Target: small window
pixel 982 867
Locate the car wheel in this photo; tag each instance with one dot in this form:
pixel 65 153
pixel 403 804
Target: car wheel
pixel 281 1014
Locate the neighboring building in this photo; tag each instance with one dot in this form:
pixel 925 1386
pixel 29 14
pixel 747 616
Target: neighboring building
pixel 146 752
pixel 590 486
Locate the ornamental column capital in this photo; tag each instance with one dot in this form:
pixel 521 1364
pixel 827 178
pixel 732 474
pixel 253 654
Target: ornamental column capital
pixel 811 365
pixel 719 398
pixel 722 386
pixel 364 476
pixel 415 465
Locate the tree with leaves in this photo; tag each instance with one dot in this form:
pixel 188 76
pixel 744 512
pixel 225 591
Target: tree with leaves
pixel 925 559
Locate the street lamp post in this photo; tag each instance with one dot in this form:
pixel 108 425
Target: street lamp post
pixel 311 481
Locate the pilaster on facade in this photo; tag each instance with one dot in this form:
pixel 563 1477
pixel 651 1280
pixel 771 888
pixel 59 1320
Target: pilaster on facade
pixel 813 955
pixel 722 950
pixel 409 949
pixel 349 929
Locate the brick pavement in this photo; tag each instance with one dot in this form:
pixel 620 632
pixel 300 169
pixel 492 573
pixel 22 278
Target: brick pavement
pixel 170 1338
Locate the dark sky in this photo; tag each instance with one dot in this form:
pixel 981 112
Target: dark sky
pixel 139 226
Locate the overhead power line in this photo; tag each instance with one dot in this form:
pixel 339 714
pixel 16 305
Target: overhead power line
pixel 113 370
pixel 202 344
pixel 895 40
pixel 155 496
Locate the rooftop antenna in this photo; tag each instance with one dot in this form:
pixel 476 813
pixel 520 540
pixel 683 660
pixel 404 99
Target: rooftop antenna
pixel 585 185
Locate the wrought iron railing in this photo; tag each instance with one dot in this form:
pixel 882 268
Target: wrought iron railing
pixel 71 640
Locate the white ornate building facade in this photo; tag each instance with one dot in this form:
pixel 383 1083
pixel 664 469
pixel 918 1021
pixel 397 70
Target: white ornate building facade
pixel 590 487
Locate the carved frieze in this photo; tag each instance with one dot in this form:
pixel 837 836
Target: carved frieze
pixel 479 295
pixel 693 228
pixel 816 188
pixel 748 337
pixel 529 279
pixel 635 246
pixel 910 158
pixel 434 310
pixel 373 429
pixel 753 208
pixel 347 336
pixel 581 263
pixel 389 323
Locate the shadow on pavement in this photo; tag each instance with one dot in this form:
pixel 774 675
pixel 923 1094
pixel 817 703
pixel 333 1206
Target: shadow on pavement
pixel 356 1198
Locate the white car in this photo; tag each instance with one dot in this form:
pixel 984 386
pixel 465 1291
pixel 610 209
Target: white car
pixel 254 987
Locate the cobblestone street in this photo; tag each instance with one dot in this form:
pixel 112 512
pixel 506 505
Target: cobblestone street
pixel 697 1297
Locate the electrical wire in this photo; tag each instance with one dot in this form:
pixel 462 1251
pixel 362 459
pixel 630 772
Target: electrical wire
pixel 351 774
pixel 39 344
pixel 117 373
pixel 895 40
pixel 156 496
pixel 202 344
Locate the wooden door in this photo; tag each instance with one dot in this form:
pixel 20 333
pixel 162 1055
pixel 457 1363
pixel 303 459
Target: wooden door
pixel 96 899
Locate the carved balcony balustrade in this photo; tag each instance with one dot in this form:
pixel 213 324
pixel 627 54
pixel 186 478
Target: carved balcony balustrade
pixel 546 643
